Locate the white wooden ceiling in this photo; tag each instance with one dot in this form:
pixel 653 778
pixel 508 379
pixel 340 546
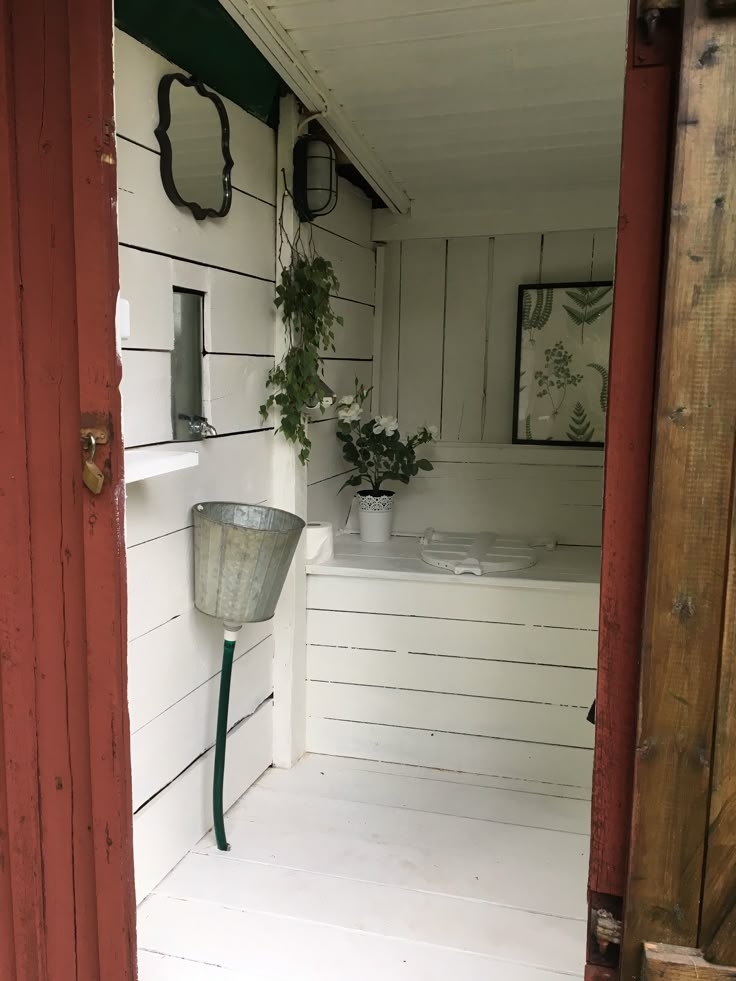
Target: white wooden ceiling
pixel 478 101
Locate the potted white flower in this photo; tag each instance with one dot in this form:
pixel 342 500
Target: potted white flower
pixel 377 451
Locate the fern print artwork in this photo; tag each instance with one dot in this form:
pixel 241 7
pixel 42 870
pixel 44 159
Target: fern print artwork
pixel 563 340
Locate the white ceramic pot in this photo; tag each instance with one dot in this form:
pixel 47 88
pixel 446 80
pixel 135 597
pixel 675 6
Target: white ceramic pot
pixel 375 515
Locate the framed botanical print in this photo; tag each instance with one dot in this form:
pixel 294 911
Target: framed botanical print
pixel 563 338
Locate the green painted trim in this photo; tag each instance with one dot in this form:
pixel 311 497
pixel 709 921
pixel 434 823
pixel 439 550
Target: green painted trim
pixel 201 38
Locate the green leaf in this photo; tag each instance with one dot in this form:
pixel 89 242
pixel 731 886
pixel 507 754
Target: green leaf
pixel 424 465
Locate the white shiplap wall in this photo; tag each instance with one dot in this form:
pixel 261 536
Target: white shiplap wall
pixel 174 651
pixel 492 677
pixel 449 323
pixel 343 237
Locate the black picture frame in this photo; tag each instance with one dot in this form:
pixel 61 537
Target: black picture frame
pixel 515 438
pixel 162 135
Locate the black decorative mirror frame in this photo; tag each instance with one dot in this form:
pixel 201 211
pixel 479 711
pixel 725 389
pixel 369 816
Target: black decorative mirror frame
pixel 162 135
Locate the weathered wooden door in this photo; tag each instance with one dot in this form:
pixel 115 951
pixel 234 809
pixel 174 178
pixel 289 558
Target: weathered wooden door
pixel 649 98
pixel 66 886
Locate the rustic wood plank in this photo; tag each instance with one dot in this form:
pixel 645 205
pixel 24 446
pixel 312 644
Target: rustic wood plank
pixel 693 460
pixel 661 962
pixel 718 924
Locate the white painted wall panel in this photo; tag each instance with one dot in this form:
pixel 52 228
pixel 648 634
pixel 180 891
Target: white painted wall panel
pixel 240 315
pixel 160 581
pixel 466 338
pixel 232 468
pixel 187 729
pixel 138 72
pixel 354 339
pixel 175 820
pixel 354 265
pixel 465 714
pixel 167 664
pixel 421 342
pixel 146 393
pixel 462 676
pixel 352 217
pixel 516 260
pixel 452 751
pixel 529 643
pixel 567 256
pixel 242 241
pixel 145 282
pixel 234 388
pixel 390 340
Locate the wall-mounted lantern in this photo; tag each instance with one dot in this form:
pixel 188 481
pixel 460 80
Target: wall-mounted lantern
pixel 315 177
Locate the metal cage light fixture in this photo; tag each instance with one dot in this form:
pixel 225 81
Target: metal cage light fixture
pixel 315 177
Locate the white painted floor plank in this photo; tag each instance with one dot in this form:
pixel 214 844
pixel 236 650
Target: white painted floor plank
pixel 349 870
pixel 528 868
pixel 497 931
pixel 158 967
pixel 436 796
pixel 284 949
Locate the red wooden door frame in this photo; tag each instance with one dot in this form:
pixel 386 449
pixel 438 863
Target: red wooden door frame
pixel 67 908
pixel 649 95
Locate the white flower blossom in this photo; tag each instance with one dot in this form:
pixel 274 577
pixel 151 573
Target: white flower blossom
pixel 385 424
pixel 327 401
pixel 350 412
pixel 346 400
pixel 433 431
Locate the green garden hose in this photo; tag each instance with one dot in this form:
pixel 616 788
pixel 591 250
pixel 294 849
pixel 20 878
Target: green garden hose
pixel 221 739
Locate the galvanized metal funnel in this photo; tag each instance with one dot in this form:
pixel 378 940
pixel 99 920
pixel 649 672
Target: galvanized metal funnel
pixel 242 553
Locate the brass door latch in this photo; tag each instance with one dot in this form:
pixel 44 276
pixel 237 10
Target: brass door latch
pixel 92 476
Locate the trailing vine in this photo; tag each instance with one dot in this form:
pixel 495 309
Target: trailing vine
pixel 303 297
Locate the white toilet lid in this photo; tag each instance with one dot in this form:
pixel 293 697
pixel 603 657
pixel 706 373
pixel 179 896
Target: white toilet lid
pixel 478 555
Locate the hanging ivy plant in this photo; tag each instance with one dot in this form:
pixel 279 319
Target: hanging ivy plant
pixel 296 382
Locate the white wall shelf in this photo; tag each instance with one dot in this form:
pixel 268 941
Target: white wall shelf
pixel 142 462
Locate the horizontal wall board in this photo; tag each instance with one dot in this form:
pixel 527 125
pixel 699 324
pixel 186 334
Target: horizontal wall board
pixel 146 282
pixel 381 910
pixel 168 663
pixel 436 791
pixel 564 605
pixel 441 712
pixel 351 217
pixel 518 455
pixel 243 241
pixel 529 642
pixel 234 388
pixel 159 967
pixel 355 265
pixel 449 751
pixel 473 498
pixel 354 338
pixel 452 675
pixel 138 70
pixel 240 315
pixel 231 468
pixel 163 748
pixel 175 820
pixel 146 394
pixel 160 581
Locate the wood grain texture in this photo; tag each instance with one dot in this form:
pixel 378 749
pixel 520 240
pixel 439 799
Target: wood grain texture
pixel 693 471
pixel 65 821
pixel 662 962
pixel 718 921
pixel 648 97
